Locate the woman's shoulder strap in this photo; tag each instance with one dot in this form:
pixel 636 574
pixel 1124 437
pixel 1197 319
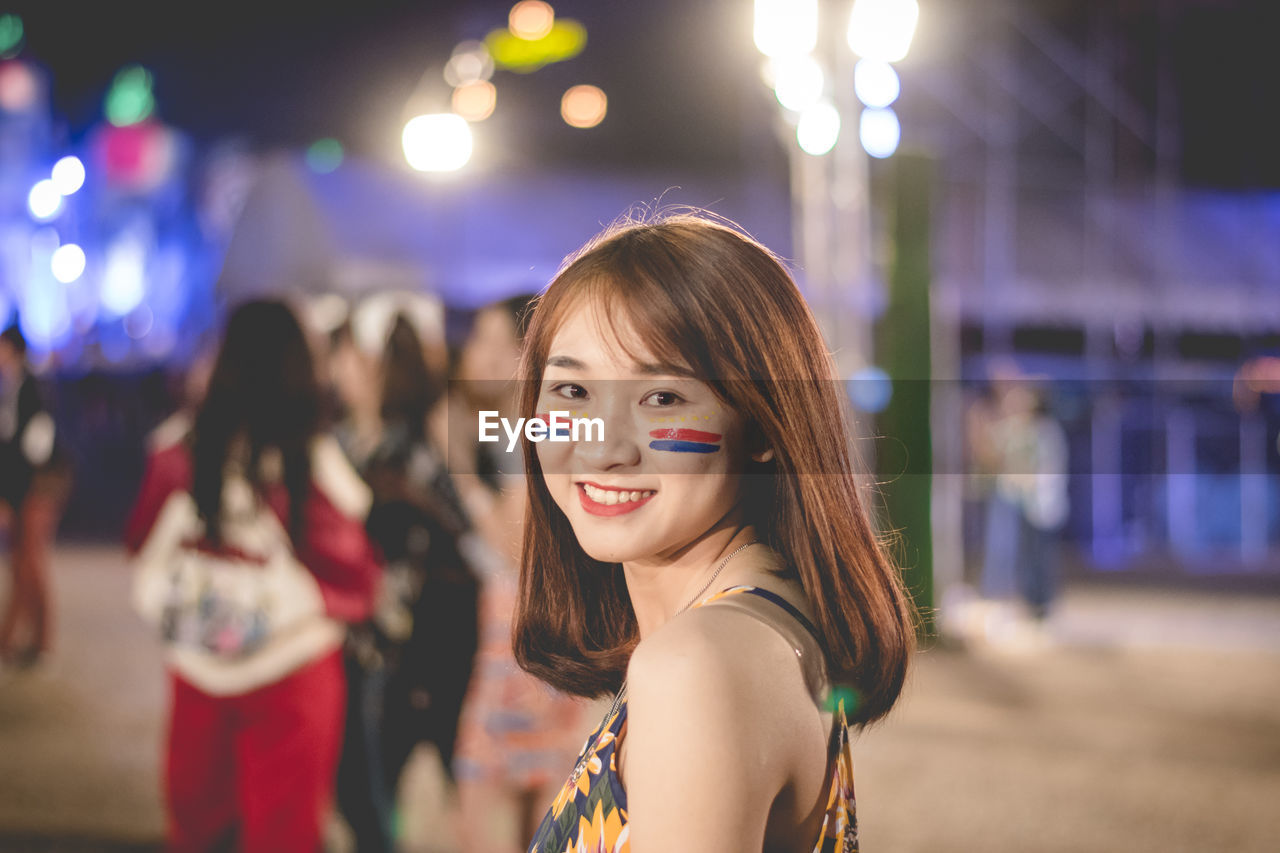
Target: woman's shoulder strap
pixel 768 595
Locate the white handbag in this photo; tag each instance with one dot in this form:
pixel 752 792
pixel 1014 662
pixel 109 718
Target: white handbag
pixel 238 617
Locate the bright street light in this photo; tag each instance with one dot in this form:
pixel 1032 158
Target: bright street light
pixel 798 81
pixel 879 131
pixel 819 128
pixel 786 27
pixel 876 83
pixel 882 29
pixel 440 142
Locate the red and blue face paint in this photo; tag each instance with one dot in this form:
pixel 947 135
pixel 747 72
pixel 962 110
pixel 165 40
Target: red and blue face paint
pixel 562 424
pixel 684 440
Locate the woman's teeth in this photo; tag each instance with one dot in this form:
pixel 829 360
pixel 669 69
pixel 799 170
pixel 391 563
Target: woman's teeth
pixel 610 497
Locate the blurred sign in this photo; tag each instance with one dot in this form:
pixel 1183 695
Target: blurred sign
pixel 566 40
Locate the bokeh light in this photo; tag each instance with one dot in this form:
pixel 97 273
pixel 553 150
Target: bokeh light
pixel 785 27
pixel 531 19
pixel 18 87
pixel 469 63
pixel 68 175
pixel 139 157
pixel 870 389
pixel 475 101
pixel 67 263
pixel 876 83
pixel 44 201
pixel 324 155
pixel 441 142
pixel 882 29
pixel 129 100
pixel 123 276
pixel 11 33
pixel 879 132
pixel 45 318
pixel 566 40
pixel 818 129
pixel 584 106
pixel 798 81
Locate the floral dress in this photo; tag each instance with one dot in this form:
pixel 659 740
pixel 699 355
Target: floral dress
pixel 590 814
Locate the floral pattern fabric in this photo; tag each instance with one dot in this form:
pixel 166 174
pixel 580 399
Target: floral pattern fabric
pixel 589 815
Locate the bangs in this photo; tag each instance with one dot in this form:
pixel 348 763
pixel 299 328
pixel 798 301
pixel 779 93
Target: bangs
pixel 633 312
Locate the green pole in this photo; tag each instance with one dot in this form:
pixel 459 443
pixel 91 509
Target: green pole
pixel 904 450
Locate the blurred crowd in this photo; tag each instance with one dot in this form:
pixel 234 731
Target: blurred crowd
pixel 329 557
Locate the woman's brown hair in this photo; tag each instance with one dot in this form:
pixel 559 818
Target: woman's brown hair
pixel 699 291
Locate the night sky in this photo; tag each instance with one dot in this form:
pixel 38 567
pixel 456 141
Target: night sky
pixel 680 74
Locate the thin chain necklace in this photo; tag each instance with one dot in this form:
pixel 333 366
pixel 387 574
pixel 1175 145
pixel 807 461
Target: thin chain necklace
pixel 622 691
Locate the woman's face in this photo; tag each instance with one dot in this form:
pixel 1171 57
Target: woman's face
pixel 492 350
pixel 355 377
pixel 669 468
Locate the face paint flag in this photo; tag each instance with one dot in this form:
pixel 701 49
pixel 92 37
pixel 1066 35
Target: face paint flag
pixel 684 440
pixel 561 428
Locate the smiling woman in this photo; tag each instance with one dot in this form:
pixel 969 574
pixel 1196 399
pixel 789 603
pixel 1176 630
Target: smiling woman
pixel 709 561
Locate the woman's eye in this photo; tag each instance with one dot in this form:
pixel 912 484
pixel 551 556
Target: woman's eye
pixel 663 399
pixel 569 391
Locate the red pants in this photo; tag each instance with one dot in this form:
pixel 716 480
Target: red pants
pixel 256 770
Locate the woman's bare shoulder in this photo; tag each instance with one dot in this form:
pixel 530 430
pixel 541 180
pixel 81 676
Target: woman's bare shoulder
pixel 726 658
pixel 706 750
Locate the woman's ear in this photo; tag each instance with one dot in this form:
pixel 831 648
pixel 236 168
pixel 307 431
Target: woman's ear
pixel 758 444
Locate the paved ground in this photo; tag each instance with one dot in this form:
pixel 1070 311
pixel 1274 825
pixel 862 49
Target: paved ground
pixel 1153 724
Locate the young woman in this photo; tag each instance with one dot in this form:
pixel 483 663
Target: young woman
pixel 255 727
pixel 709 562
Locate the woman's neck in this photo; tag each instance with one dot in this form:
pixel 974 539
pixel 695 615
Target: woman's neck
pixel 660 587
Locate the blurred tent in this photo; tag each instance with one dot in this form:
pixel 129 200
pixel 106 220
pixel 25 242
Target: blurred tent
pixel 471 239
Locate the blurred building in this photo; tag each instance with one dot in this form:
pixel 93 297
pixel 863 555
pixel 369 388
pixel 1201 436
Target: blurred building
pixel 1084 233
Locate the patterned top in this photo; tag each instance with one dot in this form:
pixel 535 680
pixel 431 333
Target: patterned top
pixel 590 815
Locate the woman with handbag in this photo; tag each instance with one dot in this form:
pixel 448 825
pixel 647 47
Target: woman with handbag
pixel 251 556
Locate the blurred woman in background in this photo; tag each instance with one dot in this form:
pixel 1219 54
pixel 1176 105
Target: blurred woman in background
pixel 516 734
pixel 410 663
pixel 255 494
pixel 32 488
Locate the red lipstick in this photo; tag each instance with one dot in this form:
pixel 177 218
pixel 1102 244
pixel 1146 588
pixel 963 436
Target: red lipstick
pixel 607 510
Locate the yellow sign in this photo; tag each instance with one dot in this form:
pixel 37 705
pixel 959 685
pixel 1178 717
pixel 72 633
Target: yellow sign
pixel 565 41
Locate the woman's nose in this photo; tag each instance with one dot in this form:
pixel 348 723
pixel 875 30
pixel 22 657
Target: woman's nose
pixel 617 447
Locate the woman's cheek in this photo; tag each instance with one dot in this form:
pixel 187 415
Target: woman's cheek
pixel 553 457
pixel 692 442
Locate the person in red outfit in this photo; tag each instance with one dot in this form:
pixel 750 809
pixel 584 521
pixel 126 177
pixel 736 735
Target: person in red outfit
pixel 254 738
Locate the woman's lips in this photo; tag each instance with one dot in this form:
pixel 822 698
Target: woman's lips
pixel 599 500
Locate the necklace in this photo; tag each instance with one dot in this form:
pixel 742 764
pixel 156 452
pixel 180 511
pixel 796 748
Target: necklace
pixel 622 691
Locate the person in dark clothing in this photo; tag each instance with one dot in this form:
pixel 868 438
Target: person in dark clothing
pixel 410 664
pixel 30 491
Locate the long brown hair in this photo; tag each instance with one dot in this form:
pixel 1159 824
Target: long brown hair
pixel 725 304
pixel 263 389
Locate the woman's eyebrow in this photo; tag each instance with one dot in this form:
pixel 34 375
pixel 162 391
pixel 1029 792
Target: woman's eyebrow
pixel 665 369
pixel 643 368
pixel 565 361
